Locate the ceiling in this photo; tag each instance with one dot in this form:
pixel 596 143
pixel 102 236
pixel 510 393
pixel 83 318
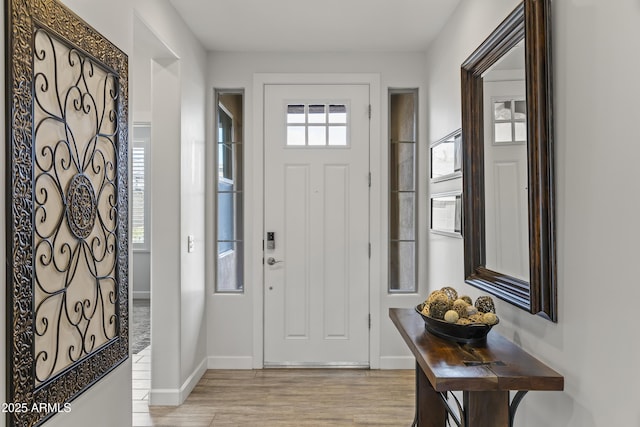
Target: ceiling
pixel 315 25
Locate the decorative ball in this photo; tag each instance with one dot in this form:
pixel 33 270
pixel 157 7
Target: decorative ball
pixel 439 306
pixel 489 319
pixel 460 301
pixel 467 298
pixel 451 316
pixel 445 304
pixel 425 309
pixel 435 294
pixel 451 292
pixel 476 318
pixel 460 306
pixel 485 304
pixel 471 310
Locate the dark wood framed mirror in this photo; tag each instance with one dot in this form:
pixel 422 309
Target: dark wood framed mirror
pixel 509 222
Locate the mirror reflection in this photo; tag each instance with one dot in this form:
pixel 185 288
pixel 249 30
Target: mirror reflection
pixel 505 165
pixel 497 233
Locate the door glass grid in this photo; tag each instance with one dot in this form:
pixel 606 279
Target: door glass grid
pixel 509 121
pixel 317 125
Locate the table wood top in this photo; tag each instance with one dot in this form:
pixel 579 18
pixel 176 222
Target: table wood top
pixel 494 365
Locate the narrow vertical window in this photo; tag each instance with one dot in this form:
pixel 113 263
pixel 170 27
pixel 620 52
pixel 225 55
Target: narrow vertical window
pixel 139 181
pixel 229 192
pixel 403 251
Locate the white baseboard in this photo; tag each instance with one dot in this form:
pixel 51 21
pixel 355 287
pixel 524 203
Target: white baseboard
pixel 164 397
pixel 176 397
pixel 246 362
pixel 397 362
pixel 141 295
pixel 230 362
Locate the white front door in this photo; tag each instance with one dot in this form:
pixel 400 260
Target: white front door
pixel 316 187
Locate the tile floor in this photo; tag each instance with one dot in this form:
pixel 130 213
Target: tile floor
pixel 141 383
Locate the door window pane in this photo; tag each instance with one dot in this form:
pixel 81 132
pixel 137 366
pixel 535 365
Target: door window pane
pixel 509 121
pixel 402 216
pixel 402 155
pixel 402 271
pixel 520 110
pixel 502 110
pixel 317 135
pixel 503 132
pixel 521 131
pixel 317 125
pixel 296 135
pixel 338 135
pixel 295 114
pixel 229 276
pixel 338 114
pixel 317 114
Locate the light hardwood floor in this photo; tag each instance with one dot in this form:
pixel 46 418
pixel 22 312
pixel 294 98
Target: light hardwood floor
pixel 290 397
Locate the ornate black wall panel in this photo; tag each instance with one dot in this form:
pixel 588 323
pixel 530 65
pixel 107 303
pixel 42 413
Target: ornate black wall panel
pixel 67 208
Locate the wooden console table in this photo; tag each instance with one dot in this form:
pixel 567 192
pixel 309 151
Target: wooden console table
pixel 485 373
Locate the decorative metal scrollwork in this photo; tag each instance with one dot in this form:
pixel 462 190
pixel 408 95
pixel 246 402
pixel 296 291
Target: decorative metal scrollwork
pixel 81 207
pixel 74 177
pixel 67 226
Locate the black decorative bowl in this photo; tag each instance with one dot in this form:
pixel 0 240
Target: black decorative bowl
pixel 466 334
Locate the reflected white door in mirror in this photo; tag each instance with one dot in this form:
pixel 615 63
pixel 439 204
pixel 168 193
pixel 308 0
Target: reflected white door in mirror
pixel 505 165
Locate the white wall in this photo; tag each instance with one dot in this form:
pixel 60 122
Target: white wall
pixel 141 275
pixel 596 92
pixel 231 317
pixel 145 47
pixel 177 206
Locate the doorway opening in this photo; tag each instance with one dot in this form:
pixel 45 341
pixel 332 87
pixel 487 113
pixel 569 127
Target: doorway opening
pixel 155 114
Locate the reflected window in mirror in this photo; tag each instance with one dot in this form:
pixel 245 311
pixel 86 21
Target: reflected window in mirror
pixel 509 121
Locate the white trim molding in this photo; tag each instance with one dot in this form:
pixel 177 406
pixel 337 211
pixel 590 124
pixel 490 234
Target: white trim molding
pixel 177 396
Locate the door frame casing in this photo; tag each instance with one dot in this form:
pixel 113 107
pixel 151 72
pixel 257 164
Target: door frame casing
pixel 375 202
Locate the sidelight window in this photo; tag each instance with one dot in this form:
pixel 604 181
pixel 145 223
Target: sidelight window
pixel 229 192
pixel 403 134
